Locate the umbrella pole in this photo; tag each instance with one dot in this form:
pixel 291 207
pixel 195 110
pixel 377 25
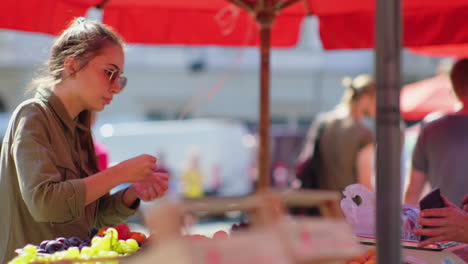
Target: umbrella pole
pixel 387 63
pixel 265 20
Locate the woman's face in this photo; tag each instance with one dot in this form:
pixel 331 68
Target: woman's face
pixel 95 88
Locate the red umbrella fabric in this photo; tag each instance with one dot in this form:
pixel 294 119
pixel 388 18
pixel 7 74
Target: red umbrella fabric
pixel 427 96
pixel 343 24
pixel 44 16
pixel 207 22
pixel 350 24
pixel 454 50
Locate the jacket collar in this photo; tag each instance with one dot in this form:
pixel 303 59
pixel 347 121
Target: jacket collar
pixel 48 96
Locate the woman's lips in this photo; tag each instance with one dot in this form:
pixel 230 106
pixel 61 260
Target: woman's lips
pixel 107 100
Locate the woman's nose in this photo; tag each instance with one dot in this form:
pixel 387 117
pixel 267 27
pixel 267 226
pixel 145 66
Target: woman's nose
pixel 114 87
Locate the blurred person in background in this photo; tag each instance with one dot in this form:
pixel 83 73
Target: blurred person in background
pixel 346 142
pixel 50 184
pixel 281 178
pixel 192 176
pixel 439 157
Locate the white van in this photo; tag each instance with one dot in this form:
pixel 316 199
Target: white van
pixel 226 149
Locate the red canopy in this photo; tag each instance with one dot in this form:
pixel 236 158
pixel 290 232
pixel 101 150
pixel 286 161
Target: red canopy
pixel 454 50
pixel 431 95
pixel 343 24
pixel 350 24
pixel 44 16
pixel 207 22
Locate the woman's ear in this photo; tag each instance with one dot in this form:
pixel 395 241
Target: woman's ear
pixel 70 65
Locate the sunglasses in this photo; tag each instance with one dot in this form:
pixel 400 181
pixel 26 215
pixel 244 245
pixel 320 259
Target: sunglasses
pixel 113 76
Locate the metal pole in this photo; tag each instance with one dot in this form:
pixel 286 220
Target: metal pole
pixel 387 71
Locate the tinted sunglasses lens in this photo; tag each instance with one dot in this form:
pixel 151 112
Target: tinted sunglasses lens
pixel 122 82
pixel 113 76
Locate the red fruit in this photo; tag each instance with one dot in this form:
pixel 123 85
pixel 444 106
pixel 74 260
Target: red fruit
pixel 139 237
pixel 102 230
pixel 221 234
pixel 123 230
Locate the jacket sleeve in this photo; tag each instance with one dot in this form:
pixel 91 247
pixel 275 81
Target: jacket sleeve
pixel 48 197
pixel 112 210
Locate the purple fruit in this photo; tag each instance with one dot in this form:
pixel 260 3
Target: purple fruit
pixel 41 251
pixel 87 242
pixel 74 241
pixel 54 246
pixel 62 240
pixel 84 243
pixel 43 244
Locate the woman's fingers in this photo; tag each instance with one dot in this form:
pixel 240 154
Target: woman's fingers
pixel 153 186
pixel 159 190
pixel 141 191
pixel 161 179
pixel 162 175
pixel 162 183
pixel 152 193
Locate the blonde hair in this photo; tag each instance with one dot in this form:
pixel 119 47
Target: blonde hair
pixel 355 88
pixel 82 39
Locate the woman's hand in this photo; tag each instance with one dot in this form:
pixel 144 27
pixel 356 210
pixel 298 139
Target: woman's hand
pixel 137 169
pixel 151 187
pixel 448 224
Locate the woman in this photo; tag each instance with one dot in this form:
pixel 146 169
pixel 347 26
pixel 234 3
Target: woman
pixel 346 143
pixel 50 185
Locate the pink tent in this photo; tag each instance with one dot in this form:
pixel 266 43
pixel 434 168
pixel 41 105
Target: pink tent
pixel 431 95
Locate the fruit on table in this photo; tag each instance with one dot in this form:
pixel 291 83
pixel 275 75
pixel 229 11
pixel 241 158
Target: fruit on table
pixel 54 246
pixel 123 230
pixel 139 237
pixel 61 243
pixel 102 230
pixel 65 249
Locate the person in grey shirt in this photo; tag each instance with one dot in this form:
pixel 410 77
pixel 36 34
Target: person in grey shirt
pixel 441 153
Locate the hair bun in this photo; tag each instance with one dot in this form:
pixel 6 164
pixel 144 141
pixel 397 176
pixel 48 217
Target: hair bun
pixel 362 81
pixel 347 82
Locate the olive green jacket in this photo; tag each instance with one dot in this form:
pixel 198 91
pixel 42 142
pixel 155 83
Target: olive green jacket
pixel 42 166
